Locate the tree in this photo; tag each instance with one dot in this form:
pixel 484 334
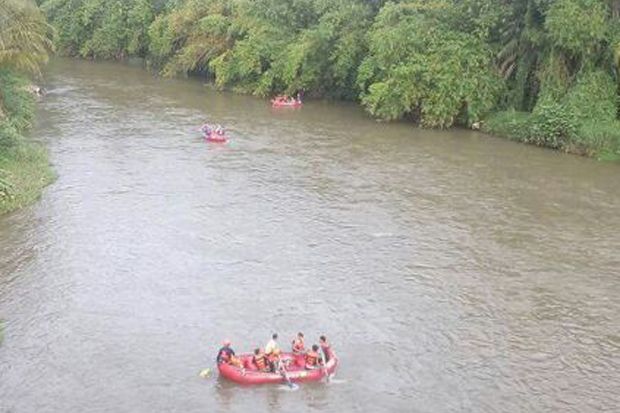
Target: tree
pixel 418 67
pixel 25 37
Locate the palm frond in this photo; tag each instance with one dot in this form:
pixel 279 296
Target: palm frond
pixel 25 36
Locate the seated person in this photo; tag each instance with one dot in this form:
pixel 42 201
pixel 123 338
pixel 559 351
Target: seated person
pixel 298 344
pixel 227 355
pixel 274 360
pixel 260 360
pixel 272 345
pixel 313 358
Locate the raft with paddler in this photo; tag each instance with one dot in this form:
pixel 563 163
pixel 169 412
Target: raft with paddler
pixel 271 365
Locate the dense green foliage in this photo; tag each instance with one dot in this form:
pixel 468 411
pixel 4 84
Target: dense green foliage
pixel 418 64
pixel 437 62
pixel 24 168
pixel 25 39
pixel 25 36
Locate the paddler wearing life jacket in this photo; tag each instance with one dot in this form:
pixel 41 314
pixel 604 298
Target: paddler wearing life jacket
pixel 227 355
pixel 206 129
pixel 325 348
pixel 313 358
pixel 298 344
pixel 272 351
pixel 272 344
pixel 260 360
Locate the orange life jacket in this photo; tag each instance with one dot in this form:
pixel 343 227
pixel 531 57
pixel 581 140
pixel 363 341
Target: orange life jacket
pixel 260 361
pixel 312 358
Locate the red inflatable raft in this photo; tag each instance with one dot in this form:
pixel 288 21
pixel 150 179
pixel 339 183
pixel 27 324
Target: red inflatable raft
pixel 215 138
pixel 285 103
pixel 296 371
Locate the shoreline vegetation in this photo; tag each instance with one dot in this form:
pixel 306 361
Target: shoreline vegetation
pixel 545 73
pixel 540 72
pixel 25 40
pixel 24 165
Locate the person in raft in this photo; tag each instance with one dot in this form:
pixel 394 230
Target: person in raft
pixel 260 360
pixel 325 348
pixel 206 130
pixel 313 358
pixel 272 345
pixel 219 130
pixel 280 366
pixel 272 351
pixel 227 355
pixel 298 344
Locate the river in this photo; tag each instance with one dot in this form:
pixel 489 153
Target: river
pixel 452 271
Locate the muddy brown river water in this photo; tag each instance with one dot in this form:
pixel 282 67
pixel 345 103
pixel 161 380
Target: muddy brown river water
pixel 452 271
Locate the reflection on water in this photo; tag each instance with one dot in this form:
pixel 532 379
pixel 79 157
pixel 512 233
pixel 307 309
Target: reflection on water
pixel 451 270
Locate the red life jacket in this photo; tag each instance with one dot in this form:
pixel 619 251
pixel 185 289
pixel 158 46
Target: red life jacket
pixel 312 358
pixel 298 346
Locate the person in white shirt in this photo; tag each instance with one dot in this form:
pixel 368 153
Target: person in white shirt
pixel 272 344
pixel 272 351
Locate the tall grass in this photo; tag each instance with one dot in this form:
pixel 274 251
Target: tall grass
pixel 24 166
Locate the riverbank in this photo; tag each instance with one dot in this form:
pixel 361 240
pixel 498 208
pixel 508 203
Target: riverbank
pixel 438 67
pixel 490 254
pixel 24 165
pixel 600 140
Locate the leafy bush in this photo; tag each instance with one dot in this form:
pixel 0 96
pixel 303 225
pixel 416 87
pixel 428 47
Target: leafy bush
pixel 593 98
pixel 24 167
pixel 510 124
pixel 9 136
pixel 552 125
pixel 6 186
pixel 599 138
pixel 17 103
pixel 109 29
pixel 577 26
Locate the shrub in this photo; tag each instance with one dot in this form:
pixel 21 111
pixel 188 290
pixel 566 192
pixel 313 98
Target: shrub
pixel 593 98
pixel 510 124
pixel 599 138
pixel 552 125
pixel 17 104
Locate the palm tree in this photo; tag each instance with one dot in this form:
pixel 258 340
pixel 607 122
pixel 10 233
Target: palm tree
pixel 522 49
pixel 25 36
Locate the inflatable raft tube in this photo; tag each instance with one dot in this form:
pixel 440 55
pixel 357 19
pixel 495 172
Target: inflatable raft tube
pixel 215 138
pixel 285 104
pixel 296 371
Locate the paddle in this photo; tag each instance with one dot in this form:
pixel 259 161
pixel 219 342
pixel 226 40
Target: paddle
pixel 282 371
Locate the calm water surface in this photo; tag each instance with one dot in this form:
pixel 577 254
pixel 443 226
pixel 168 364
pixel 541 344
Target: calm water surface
pixel 452 271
